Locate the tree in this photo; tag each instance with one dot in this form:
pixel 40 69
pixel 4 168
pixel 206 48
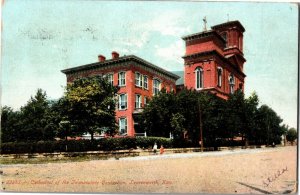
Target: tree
pixel 91 105
pixel 291 135
pixel 235 114
pixel 10 124
pixel 177 121
pixel 268 122
pixel 33 119
pixel 156 117
pixel 176 113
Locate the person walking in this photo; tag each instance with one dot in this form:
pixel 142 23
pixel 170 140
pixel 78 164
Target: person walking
pixel 155 148
pixel 162 149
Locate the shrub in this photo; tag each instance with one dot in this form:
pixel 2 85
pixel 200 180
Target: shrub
pixel 148 142
pixel 107 144
pixel 17 148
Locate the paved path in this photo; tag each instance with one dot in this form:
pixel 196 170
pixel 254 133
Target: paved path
pixel 201 154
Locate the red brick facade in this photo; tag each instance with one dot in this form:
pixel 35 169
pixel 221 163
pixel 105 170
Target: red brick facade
pixel 214 59
pixel 136 92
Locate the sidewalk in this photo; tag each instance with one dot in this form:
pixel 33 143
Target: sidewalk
pixel 203 154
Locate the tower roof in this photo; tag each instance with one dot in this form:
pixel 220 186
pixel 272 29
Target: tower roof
pixel 203 34
pixel 228 24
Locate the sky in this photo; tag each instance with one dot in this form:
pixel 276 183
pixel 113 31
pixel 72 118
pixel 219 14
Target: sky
pixel 42 37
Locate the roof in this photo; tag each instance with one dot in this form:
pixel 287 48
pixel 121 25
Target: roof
pixel 230 23
pixel 203 34
pixel 119 60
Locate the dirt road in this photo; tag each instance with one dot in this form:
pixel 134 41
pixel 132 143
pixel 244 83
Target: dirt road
pixel 244 171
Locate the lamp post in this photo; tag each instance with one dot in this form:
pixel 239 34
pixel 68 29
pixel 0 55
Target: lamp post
pixel 200 124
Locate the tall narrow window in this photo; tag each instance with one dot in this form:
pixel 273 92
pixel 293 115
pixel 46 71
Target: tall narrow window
pixel 145 101
pixel 156 86
pixel 220 76
pixel 231 83
pixel 138 101
pixel 121 78
pixel 138 79
pixel 224 36
pixel 199 78
pixel 122 101
pixel 145 82
pixel 123 126
pixel 110 78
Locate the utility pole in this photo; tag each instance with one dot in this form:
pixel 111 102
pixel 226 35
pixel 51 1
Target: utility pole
pixel 200 123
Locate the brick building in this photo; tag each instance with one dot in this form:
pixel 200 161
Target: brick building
pixel 138 80
pixel 213 61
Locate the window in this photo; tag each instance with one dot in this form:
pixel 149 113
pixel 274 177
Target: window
pixel 110 78
pixel 145 101
pixel 241 85
pixel 121 78
pixel 199 78
pixel 156 86
pixel 231 83
pixel 145 82
pixel 224 36
pixel 138 79
pixel 123 126
pixel 220 76
pixel 138 101
pixel 171 88
pixel 122 101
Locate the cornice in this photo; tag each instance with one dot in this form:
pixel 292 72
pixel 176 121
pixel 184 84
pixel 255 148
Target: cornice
pixel 122 61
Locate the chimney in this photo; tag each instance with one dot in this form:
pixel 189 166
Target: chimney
pixel 101 58
pixel 114 55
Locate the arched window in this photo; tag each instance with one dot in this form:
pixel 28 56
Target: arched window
pixel 199 78
pixel 220 70
pixel 231 83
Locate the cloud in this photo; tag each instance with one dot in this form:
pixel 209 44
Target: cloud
pixel 173 52
pixel 169 23
pixel 137 39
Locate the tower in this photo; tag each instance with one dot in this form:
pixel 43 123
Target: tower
pixel 214 59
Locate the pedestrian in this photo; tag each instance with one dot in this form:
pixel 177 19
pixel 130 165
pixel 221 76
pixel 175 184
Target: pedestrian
pixel 273 144
pixel 155 148
pixel 161 150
